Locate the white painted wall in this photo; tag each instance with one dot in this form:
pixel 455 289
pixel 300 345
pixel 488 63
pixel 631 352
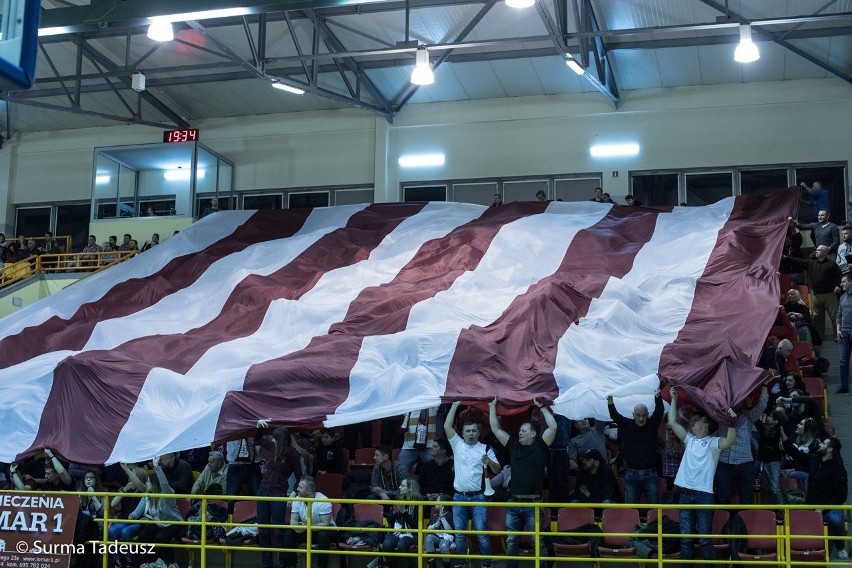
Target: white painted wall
pixel 725 125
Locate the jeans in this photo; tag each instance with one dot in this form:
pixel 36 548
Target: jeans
pixel 845 350
pixel 835 521
pixel 271 513
pixel 394 543
pixel 739 476
pixel 771 478
pixel 123 532
pixel 637 481
pixel 519 518
pixel 157 534
pixel 408 458
pixel 698 521
pixel 239 473
pixel 479 515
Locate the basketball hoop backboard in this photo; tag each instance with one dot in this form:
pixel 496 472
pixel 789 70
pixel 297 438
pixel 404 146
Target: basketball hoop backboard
pixel 18 43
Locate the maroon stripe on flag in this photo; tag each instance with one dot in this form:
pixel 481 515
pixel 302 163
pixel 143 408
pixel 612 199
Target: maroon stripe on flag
pixel 734 304
pixel 307 385
pixel 513 358
pixel 131 296
pixel 107 383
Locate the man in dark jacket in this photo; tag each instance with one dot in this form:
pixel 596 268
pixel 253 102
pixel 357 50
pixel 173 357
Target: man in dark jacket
pixel 596 482
pixel 823 276
pixel 827 485
pixel 638 438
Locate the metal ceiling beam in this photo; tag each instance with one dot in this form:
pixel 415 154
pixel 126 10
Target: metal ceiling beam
pixel 77 110
pixel 334 44
pixel 105 62
pixel 777 38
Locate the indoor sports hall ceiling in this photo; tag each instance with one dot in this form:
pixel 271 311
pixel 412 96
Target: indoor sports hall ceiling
pixel 346 53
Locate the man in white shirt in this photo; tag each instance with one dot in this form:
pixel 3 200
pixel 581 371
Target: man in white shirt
pixel 320 515
pixel 695 476
pixel 471 457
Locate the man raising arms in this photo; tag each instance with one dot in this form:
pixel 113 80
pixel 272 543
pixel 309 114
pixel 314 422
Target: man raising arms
pixel 528 456
pixel 471 457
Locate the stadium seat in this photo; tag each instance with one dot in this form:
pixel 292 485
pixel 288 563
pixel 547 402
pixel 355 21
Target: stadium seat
pixel 762 543
pixel 569 519
pixel 364 458
pixel 362 512
pixel 618 521
pixel 807 536
pixel 816 388
pixel 330 485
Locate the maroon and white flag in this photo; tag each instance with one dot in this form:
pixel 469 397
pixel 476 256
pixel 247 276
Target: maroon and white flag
pixel 351 313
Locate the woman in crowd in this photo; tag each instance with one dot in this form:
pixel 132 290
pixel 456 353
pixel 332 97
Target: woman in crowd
pixel 799 315
pixel 806 440
pixel 275 482
pixel 403 518
pixel 164 510
pixel 440 519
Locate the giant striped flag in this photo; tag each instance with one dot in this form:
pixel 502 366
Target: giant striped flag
pixel 352 313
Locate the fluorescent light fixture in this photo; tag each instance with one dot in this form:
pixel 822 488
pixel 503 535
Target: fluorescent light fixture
pixel 746 51
pixel 160 30
pixel 206 14
pixel 182 174
pixel 574 65
pixel 102 178
pixel 285 87
pixel 421 160
pixel 422 74
pixel 519 3
pixel 42 32
pixel 613 150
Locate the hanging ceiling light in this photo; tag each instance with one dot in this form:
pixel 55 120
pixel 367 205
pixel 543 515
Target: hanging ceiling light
pixel 422 74
pixel 519 3
pixel 746 51
pixel 574 65
pixel 161 30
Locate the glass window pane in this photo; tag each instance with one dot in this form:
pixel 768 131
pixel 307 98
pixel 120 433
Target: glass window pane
pixel 524 190
pixel 306 199
pixel 479 193
pixel 161 207
pixel 576 189
pixel 655 189
pixel 425 193
pixel 755 182
pixel 73 220
pixel 271 201
pixel 832 179
pixel 32 221
pixel 704 189
pixel 353 196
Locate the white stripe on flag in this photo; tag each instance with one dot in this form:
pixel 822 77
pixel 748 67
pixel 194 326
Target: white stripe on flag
pixel 161 421
pixel 64 303
pixel 407 370
pixel 197 304
pixel 637 316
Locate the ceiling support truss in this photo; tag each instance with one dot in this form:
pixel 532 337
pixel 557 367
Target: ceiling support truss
pixel 594 54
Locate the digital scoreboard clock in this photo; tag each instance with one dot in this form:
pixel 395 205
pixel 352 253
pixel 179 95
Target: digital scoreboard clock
pixel 184 135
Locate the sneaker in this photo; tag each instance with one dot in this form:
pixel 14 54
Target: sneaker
pixel 842 554
pixel 841 390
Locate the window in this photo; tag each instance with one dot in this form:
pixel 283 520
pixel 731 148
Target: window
pixel 425 193
pixel 353 196
pixel 481 193
pixel 755 182
pixel 576 189
pixel 302 200
pixel 833 179
pixel 32 221
pixel 162 207
pixel 73 219
pixel 524 190
pixel 707 188
pixel 655 189
pixel 268 201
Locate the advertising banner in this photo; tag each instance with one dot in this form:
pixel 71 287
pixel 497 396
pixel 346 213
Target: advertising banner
pixel 37 530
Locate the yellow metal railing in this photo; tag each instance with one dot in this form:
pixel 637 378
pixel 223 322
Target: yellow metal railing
pixel 61 263
pixel 781 533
